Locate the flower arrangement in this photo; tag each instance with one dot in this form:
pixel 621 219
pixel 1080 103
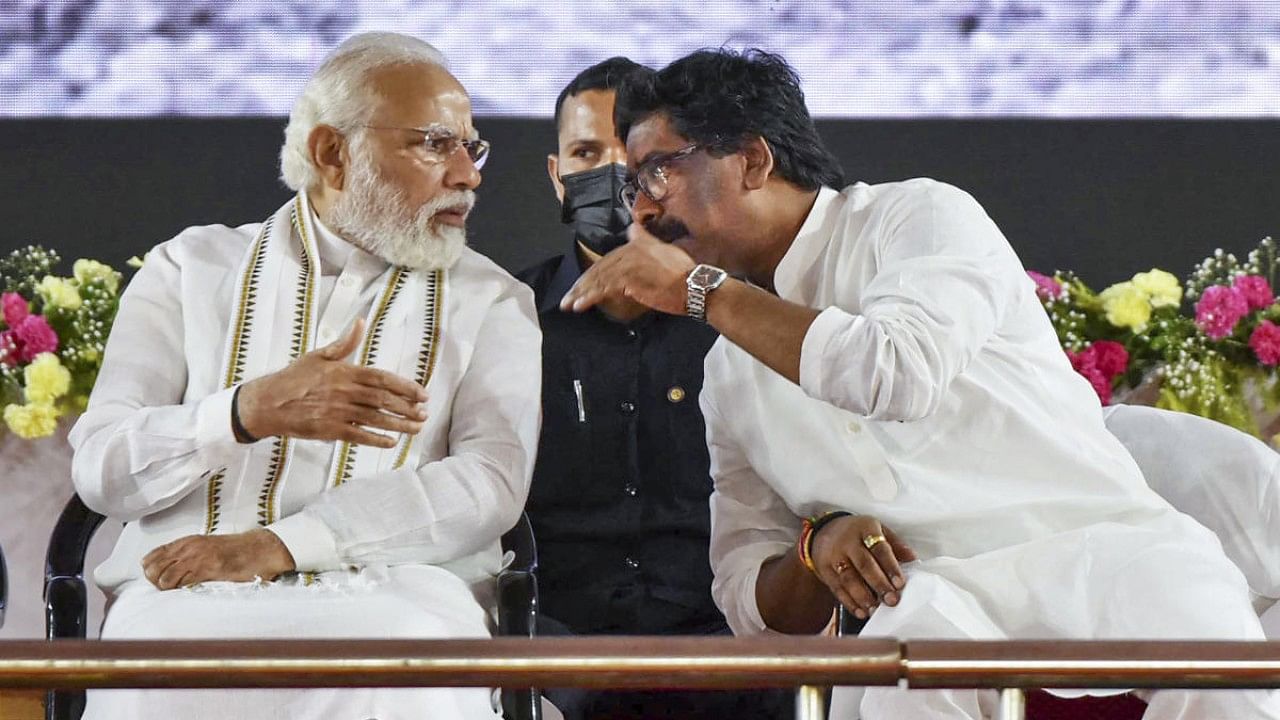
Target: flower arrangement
pixel 52 336
pixel 1208 346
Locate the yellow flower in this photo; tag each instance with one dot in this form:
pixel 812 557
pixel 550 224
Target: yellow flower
pixel 87 271
pixel 59 292
pixel 1163 288
pixel 46 379
pixel 33 420
pixel 136 262
pixel 1126 305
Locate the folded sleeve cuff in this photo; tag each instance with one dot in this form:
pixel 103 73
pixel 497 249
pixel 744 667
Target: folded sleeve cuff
pixel 213 419
pixel 822 332
pixel 750 609
pixel 310 541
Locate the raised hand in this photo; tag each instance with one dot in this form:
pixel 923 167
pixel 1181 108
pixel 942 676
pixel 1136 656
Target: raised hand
pixel 858 559
pixel 323 396
pixel 645 270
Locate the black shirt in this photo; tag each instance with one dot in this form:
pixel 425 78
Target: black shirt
pixel 620 489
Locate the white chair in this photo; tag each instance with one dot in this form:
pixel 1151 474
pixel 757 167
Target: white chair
pixel 1227 480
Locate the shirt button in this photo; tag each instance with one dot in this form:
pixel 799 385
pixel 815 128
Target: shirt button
pixel 853 427
pixel 326 336
pixel 632 334
pixel 347 281
pixel 630 490
pixel 675 394
pixel 633 563
pixel 626 407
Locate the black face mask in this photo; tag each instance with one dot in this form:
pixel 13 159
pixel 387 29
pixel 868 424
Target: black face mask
pixel 592 206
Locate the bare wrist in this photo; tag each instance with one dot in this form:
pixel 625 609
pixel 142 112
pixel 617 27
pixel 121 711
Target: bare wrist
pixel 244 420
pixel 719 300
pixel 280 559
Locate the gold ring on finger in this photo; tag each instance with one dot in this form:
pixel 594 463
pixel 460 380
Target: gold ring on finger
pixel 871 541
pixel 841 566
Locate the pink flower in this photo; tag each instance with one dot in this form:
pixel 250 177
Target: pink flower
pixel 1265 341
pixel 1256 291
pixel 1219 309
pixel 8 349
pixel 1086 363
pixel 1047 288
pixel 34 336
pixel 15 309
pixel 1109 357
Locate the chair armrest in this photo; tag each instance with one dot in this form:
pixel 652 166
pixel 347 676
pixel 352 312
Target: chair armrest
pixel 66 606
pixel 518 611
pixel 518 617
pixel 65 616
pixel 517 603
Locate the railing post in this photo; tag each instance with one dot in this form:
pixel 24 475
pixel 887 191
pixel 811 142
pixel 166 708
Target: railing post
pixel 811 704
pixel 1013 704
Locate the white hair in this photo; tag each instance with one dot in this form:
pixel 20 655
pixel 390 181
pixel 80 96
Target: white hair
pixel 338 94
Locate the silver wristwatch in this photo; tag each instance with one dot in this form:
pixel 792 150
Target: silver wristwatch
pixel 701 281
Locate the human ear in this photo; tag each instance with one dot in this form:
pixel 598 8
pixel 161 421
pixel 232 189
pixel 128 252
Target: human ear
pixel 553 172
pixel 328 151
pixel 757 163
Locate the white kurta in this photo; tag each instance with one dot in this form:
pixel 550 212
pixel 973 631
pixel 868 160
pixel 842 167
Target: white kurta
pixel 934 396
pixel 410 552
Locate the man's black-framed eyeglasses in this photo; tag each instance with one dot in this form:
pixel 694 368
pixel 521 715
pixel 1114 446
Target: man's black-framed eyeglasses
pixel 440 143
pixel 651 177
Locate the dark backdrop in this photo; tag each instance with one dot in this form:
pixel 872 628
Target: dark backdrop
pixel 1105 198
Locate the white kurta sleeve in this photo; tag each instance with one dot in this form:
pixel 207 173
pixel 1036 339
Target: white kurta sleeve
pixel 749 524
pixel 458 505
pixel 944 278
pixel 138 447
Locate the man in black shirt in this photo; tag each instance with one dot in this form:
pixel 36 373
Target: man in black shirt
pixel 620 488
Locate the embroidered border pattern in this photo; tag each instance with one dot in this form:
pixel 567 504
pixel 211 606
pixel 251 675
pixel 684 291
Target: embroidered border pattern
pixel 431 336
pixel 214 487
pixel 306 294
pixel 304 308
pixel 347 451
pixel 245 308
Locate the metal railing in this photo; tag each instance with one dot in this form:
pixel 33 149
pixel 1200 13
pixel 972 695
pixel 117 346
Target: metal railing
pixel 805 663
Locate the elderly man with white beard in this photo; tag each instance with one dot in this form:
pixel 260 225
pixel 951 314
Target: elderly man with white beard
pixel 319 426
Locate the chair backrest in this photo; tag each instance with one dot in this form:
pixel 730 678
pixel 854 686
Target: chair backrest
pixel 1227 480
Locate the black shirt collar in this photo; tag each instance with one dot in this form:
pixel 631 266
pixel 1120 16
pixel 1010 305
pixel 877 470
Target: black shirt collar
pixel 568 270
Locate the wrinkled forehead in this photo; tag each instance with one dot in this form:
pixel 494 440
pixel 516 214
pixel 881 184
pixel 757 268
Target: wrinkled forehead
pixel 421 96
pixel 653 136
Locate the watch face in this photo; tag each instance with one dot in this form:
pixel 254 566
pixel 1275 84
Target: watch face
pixel 705 276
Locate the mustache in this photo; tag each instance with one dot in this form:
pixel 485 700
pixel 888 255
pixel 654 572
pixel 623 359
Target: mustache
pixel 666 229
pixel 465 199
